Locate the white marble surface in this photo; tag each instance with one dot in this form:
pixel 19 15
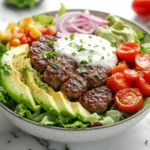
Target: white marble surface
pixel 12 138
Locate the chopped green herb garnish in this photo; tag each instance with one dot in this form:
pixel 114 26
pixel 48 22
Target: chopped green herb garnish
pixel 26 68
pixel 95 45
pixel 146 142
pixel 89 44
pixel 108 54
pixel 96 75
pixel 90 36
pixel 70 44
pixel 6 68
pixel 91 51
pixel 73 54
pixel 66 38
pixel 81 41
pixel 90 58
pixel 49 54
pixel 51 43
pixel 43 86
pixel 80 48
pixel 72 36
pixel 103 48
pixel 83 62
pixel 102 57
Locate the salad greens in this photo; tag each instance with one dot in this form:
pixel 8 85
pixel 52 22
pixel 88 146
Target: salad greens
pixel 62 10
pixel 44 20
pixel 22 3
pixel 145 48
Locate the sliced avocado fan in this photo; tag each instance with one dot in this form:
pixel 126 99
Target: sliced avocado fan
pixel 55 102
pixel 11 78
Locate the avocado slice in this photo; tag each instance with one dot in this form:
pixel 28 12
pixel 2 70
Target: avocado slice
pixel 11 78
pixel 39 94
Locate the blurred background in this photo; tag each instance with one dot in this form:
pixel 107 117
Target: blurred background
pixel 14 10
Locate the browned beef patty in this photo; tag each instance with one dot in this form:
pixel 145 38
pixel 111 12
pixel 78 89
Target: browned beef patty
pixel 95 75
pixel 36 52
pixel 74 86
pixel 97 99
pixel 59 70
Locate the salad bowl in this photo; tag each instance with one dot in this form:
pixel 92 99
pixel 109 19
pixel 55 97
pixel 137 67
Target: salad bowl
pixel 78 135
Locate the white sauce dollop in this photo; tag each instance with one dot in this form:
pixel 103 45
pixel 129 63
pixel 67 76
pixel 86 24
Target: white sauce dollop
pixel 87 50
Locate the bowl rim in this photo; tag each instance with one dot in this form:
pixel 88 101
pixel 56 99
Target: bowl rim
pixel 81 129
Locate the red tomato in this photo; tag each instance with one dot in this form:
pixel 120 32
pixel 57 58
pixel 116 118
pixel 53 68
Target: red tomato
pixel 129 100
pixel 52 30
pixel 142 62
pixel 131 75
pixel 141 7
pixel 44 31
pixel 146 75
pixel 119 68
pixel 143 85
pixel 117 82
pixel 23 40
pixel 127 51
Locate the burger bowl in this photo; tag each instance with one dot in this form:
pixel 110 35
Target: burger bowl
pixel 77 135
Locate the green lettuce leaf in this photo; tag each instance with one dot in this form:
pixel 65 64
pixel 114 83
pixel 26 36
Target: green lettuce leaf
pixel 145 48
pixel 44 20
pixel 62 10
pixel 140 35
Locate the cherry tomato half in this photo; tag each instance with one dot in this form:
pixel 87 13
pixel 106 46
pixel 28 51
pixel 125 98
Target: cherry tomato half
pixel 142 85
pixel 146 75
pixel 117 82
pixel 141 7
pixel 119 68
pixel 142 62
pixel 130 74
pixel 129 100
pixel 127 51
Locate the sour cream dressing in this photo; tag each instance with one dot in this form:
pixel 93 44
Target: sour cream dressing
pixel 87 50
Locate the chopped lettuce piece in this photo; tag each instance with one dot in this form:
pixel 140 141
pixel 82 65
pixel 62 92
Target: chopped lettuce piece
pixel 44 20
pixel 76 124
pixel 140 35
pixel 21 110
pixel 116 115
pixel 145 48
pixel 62 10
pixel 146 102
pixel 107 121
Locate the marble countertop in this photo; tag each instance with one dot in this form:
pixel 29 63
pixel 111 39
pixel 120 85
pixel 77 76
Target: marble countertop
pixel 136 138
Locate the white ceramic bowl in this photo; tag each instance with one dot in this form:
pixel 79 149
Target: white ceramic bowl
pixel 77 135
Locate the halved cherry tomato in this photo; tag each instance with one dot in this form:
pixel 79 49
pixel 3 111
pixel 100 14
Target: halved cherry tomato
pixel 142 62
pixel 129 100
pixel 146 75
pixel 23 40
pixel 44 31
pixel 127 51
pixel 130 74
pixel 118 82
pixel 141 7
pixel 119 68
pixel 142 85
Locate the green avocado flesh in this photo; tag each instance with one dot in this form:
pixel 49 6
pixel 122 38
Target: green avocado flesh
pixel 24 86
pixel 11 80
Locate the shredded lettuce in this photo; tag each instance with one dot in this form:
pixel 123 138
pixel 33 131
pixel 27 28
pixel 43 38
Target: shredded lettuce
pixel 62 10
pixel 145 48
pixel 45 20
pixel 116 115
pixel 146 102
pixel 140 35
pixel 107 121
